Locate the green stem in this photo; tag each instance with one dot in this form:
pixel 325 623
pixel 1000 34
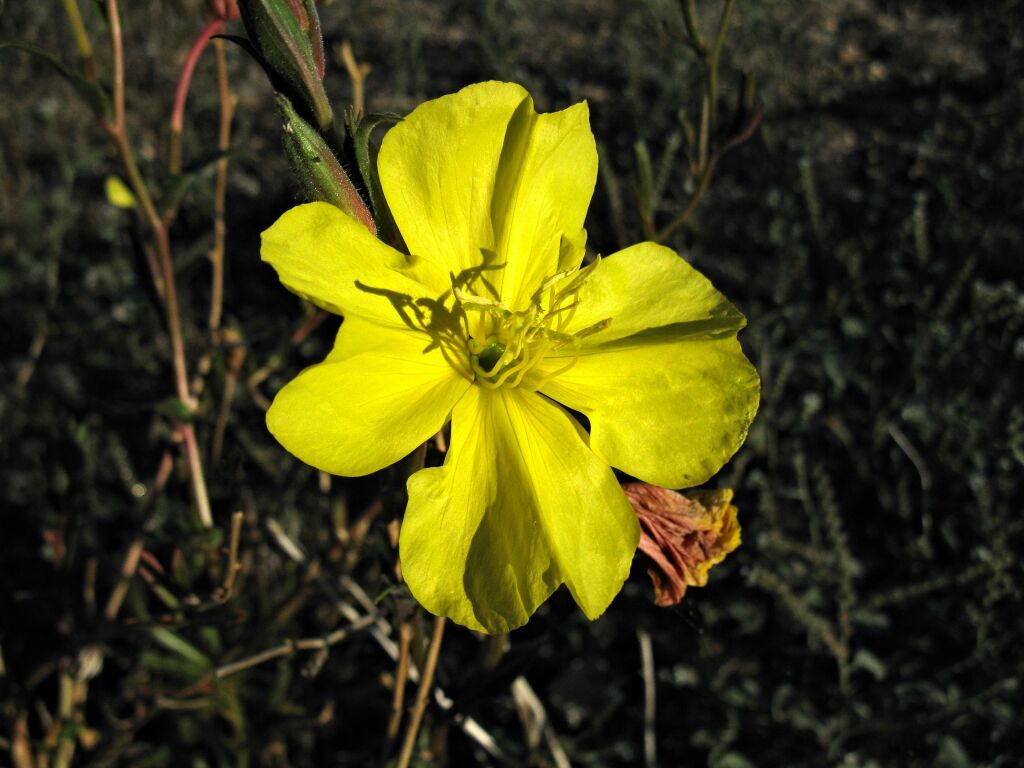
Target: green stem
pixel 713 59
pixel 161 240
pixel 689 8
pixel 81 38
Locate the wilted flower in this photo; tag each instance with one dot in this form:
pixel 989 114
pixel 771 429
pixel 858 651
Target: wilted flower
pixel 683 535
pixel 492 322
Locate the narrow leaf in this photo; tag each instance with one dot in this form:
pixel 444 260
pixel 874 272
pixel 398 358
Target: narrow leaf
pixel 368 171
pixel 89 90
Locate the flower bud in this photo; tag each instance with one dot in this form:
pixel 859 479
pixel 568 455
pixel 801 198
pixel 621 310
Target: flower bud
pixel 225 10
pixel 309 22
pixel 319 173
pixel 283 32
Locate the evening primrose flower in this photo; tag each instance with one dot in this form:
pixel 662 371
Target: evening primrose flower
pixel 493 323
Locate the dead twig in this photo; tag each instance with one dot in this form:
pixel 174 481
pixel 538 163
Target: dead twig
pixel 536 723
pixel 650 692
pixel 290 647
pixel 423 694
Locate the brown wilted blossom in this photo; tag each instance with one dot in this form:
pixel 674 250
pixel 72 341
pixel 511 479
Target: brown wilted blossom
pixel 683 535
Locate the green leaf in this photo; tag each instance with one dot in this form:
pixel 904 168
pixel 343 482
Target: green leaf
pixel 90 91
pixel 360 131
pixel 644 184
pixel 176 410
pixel 179 183
pixel 181 646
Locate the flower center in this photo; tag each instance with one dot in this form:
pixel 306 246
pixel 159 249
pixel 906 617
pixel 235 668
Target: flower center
pixel 489 343
pixel 504 346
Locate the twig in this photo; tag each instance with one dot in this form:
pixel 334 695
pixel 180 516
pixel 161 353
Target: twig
pixel 913 454
pixel 226 589
pixel 236 356
pixel 401 677
pixel 536 722
pixel 650 693
pixel 114 20
pixel 118 134
pixel 227 110
pixel 289 647
pixel 422 694
pixel 128 568
pixel 379 632
pixel 262 374
pixel 357 74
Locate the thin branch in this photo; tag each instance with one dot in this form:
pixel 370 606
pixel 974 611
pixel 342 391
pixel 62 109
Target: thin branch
pixel 379 632
pixel 236 356
pixel 650 693
pixel 227 110
pixel 423 694
pixel 114 19
pixel 233 567
pixel 128 568
pixel 119 136
pixel 536 722
pixel 401 677
pixel 290 647
pixel 357 73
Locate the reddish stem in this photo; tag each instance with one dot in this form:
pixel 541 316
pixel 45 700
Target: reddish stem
pixel 184 79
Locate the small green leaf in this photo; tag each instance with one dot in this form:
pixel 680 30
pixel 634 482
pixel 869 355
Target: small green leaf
pixel 175 409
pixel 89 90
pixel 360 130
pixel 180 646
pixel 179 183
pixel 644 184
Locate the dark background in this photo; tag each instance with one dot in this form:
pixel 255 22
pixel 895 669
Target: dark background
pixel 871 231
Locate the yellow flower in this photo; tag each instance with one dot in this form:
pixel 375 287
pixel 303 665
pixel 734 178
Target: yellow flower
pixel 493 323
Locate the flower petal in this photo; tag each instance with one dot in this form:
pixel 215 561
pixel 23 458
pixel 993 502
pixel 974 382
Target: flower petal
pixel 329 258
pixel 359 414
pixel 666 386
pixel 520 506
pixel 545 182
pixel 437 169
pixel 480 174
pixel 667 413
pixel 648 289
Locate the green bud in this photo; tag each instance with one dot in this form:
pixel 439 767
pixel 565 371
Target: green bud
pixel 309 22
pixel 283 32
pixel 317 169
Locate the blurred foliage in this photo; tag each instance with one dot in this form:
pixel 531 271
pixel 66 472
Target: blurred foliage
pixel 871 230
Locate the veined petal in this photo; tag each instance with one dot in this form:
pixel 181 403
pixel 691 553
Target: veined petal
pixel 649 290
pixel 437 169
pixel 545 182
pixel 479 174
pixel 357 336
pixel 668 413
pixel 329 258
pixel 520 506
pixel 361 413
